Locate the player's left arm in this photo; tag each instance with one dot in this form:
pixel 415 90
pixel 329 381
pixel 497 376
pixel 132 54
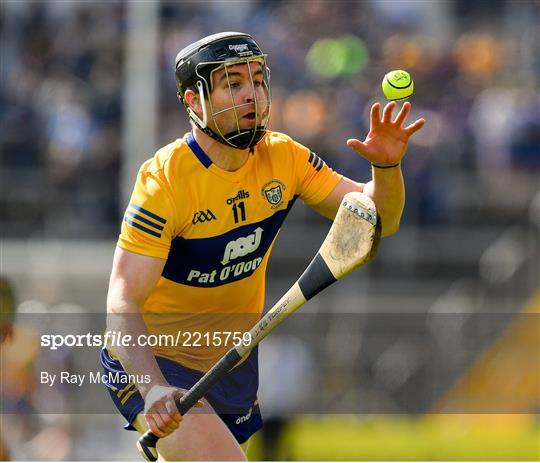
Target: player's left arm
pixel 385 146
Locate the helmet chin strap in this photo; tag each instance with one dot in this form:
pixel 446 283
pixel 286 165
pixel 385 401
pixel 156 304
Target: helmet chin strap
pixel 246 138
pixel 202 124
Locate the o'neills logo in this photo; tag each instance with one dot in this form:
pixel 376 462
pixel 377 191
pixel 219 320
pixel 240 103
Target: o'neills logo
pixel 246 417
pixel 242 194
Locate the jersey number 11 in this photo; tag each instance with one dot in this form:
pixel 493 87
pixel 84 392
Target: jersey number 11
pixel 239 207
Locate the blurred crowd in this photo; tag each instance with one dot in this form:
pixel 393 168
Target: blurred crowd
pixel 61 117
pixel 475 66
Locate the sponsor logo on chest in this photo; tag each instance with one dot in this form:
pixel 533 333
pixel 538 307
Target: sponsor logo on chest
pixel 234 249
pixel 242 246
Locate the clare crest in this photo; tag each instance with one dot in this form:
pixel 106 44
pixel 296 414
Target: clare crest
pixel 273 192
pixel 273 195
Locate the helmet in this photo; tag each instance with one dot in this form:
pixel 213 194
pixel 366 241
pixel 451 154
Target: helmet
pixel 194 66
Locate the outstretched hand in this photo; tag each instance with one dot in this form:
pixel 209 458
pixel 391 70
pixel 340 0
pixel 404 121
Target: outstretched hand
pixel 387 140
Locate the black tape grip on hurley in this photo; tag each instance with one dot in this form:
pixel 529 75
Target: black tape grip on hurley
pixel 315 278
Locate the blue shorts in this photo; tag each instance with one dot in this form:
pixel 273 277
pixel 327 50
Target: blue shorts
pixel 233 397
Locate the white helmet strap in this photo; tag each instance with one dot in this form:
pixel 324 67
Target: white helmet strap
pixel 204 122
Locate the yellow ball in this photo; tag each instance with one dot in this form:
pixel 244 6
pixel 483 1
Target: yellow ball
pixel 398 85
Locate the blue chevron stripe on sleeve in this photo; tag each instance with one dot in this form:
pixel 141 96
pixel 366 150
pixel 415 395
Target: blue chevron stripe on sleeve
pixel 148 213
pixel 142 228
pixel 140 218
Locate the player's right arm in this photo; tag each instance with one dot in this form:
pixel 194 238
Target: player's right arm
pixel 150 223
pixel 132 279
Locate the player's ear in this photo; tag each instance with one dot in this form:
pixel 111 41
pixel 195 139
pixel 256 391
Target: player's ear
pixel 193 100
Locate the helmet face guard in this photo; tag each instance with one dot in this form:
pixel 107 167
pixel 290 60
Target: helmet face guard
pixel 195 67
pixel 239 137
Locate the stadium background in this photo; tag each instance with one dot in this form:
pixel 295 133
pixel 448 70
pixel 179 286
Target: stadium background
pixel 430 352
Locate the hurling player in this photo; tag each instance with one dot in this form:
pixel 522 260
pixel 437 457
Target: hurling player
pixel 196 237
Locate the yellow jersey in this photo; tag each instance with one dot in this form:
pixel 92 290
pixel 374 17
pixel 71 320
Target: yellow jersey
pixel 215 229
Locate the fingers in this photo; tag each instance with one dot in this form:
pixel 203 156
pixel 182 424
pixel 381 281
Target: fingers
pixel 414 127
pixel 161 422
pixel 387 112
pixel 402 115
pixel 357 145
pixel 170 420
pixel 173 412
pixel 155 424
pixel 375 115
pixel 161 412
